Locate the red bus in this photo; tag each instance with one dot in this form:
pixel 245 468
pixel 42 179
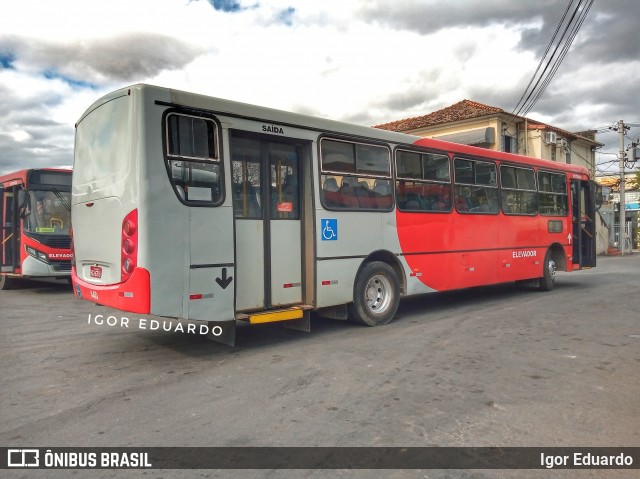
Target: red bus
pixel 36 220
pixel 199 208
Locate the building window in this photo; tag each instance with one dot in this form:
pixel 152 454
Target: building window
pixel 510 145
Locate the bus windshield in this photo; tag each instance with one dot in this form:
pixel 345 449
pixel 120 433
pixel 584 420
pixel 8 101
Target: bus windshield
pixel 48 212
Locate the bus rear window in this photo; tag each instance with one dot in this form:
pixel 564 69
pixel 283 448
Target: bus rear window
pixel 102 156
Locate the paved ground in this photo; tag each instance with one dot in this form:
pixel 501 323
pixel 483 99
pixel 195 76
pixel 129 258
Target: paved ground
pixel 496 366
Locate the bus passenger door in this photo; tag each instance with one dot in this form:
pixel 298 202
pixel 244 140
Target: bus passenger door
pixel 583 216
pixel 9 232
pixel 267 199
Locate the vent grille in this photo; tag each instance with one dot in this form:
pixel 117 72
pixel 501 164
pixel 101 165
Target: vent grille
pixel 61 265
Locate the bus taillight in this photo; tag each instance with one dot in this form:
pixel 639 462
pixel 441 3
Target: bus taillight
pixel 129 250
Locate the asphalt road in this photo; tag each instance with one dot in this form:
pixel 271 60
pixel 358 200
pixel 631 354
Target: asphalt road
pixel 493 366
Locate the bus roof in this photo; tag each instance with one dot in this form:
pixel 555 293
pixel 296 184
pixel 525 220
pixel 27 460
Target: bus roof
pixel 21 175
pixel 275 117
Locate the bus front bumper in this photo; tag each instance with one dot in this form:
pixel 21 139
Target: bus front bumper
pixel 33 268
pixel 134 295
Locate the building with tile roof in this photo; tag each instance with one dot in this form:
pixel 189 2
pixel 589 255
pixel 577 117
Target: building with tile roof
pixel 472 123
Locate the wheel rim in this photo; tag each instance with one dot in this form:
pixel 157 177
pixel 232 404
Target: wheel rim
pixel 551 270
pixel 378 294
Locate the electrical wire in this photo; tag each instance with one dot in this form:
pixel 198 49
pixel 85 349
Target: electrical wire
pixel 553 62
pixel 543 57
pixel 559 60
pixel 526 106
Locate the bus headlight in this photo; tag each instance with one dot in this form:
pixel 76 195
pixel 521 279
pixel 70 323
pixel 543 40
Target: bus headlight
pixel 36 254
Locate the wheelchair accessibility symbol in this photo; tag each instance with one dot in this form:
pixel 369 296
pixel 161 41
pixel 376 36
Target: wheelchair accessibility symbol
pixel 329 229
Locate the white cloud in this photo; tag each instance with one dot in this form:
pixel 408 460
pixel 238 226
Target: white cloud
pixel 367 61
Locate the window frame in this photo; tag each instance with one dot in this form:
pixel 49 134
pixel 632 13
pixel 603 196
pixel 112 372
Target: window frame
pixel 477 186
pixel 553 193
pixel 216 141
pixel 517 189
pixel 423 180
pixel 216 160
pixel 329 172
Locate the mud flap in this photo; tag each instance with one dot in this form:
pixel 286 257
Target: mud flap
pixel 222 332
pixel 302 324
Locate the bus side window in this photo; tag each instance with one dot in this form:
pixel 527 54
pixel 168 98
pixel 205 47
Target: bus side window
pixel 476 189
pixel 330 191
pixel 552 194
pixel 423 183
pixel 196 181
pixel 519 195
pixel 362 171
pixel 193 161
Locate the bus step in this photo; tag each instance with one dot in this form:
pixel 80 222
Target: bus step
pixel 288 314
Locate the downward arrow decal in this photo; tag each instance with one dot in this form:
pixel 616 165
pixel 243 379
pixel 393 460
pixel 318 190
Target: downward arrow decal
pixel 224 281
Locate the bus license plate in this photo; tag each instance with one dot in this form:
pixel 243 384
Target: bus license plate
pixel 95 272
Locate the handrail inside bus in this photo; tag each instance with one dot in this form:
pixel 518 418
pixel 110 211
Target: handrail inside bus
pixel 6 239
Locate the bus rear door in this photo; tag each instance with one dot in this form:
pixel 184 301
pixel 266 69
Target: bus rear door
pixel 267 201
pixel 583 213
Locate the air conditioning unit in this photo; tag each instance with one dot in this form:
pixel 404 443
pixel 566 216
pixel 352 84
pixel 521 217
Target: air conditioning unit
pixel 550 137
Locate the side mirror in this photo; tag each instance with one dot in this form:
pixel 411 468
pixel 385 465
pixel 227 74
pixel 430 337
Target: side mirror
pixel 599 197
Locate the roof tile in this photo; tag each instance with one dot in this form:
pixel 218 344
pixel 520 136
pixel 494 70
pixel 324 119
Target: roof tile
pixel 463 110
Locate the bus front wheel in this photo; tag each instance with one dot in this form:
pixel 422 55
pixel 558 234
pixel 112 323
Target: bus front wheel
pixel 5 282
pixel 548 279
pixel 376 295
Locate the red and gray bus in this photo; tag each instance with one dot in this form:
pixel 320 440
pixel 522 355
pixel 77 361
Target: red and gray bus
pixel 35 219
pixel 193 207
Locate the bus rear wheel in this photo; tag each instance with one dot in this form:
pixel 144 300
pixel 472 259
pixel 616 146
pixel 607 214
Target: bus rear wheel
pixel 376 295
pixel 548 279
pixel 6 282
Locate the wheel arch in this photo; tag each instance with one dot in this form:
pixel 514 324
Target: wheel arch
pixel 392 260
pixel 559 256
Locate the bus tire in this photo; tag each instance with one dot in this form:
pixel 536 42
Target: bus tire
pixel 548 279
pixel 376 295
pixel 6 282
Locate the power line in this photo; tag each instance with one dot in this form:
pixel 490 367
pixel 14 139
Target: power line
pixel 559 60
pixel 553 62
pixel 526 106
pixel 543 57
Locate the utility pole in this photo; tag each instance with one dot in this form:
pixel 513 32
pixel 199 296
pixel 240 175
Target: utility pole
pixel 621 237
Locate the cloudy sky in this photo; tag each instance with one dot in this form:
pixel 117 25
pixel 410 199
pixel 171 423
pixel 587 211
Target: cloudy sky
pixel 361 61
